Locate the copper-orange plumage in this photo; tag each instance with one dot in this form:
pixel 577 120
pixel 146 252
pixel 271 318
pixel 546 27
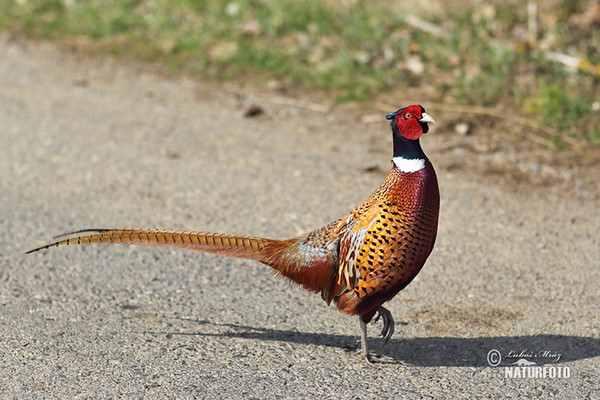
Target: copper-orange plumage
pixel 359 261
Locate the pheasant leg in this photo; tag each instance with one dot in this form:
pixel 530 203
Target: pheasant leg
pixel 364 348
pixel 386 332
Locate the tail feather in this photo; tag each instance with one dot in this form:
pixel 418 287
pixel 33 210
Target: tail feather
pixel 239 246
pixel 298 260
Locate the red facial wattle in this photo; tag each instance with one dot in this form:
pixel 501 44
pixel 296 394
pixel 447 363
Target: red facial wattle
pixel 411 128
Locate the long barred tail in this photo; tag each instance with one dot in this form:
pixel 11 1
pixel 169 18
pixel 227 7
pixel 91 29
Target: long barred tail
pixel 239 246
pixel 304 263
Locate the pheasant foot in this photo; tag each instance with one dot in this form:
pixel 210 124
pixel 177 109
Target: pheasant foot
pixel 388 323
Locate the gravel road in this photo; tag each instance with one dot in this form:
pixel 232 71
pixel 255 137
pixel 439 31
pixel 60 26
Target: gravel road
pixel 91 142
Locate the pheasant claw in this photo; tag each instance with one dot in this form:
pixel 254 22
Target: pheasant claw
pixel 388 323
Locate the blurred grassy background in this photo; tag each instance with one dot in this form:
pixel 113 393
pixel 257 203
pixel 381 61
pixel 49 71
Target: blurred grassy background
pixel 536 59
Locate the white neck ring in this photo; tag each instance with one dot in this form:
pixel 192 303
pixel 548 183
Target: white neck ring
pixel 408 165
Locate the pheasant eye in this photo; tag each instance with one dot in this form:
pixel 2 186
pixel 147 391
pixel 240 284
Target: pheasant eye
pixel 408 115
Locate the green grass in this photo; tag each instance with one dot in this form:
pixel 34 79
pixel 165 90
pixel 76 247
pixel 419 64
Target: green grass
pixel 351 51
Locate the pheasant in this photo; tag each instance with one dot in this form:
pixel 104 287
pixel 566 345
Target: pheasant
pixel 359 261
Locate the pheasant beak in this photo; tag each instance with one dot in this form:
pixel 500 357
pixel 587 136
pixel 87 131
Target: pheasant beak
pixel 426 118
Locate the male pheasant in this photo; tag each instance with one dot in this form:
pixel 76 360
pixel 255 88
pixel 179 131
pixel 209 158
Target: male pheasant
pixel 359 261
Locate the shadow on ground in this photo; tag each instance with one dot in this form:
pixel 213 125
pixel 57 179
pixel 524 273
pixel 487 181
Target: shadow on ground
pixel 435 351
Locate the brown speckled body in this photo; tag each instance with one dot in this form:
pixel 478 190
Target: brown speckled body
pixel 399 225
pixel 397 243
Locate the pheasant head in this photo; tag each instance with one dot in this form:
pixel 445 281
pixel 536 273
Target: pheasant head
pixel 410 122
pixel 408 125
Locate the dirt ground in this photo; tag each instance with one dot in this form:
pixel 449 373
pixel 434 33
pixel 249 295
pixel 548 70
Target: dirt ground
pixel 92 142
